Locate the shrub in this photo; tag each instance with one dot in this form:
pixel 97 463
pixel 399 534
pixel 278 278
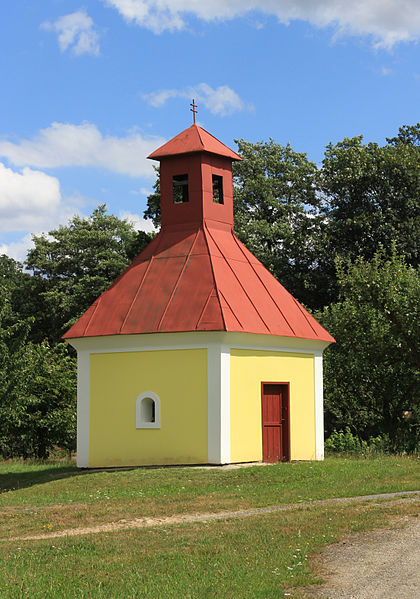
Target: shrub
pixel 345 442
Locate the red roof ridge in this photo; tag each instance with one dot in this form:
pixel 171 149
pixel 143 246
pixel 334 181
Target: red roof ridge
pixel 239 244
pixel 181 272
pixel 237 278
pixel 305 313
pixel 152 257
pixel 205 228
pixel 235 316
pixel 193 139
pixel 96 304
pixel 199 134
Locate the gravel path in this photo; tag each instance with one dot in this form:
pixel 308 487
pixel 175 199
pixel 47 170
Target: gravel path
pixel 187 518
pixel 381 564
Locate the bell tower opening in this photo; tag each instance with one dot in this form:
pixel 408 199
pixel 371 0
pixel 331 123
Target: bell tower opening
pixel 180 189
pixel 217 181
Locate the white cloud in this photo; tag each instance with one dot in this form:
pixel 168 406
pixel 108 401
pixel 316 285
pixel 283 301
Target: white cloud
pixel 31 200
pixel 143 191
pixel 76 32
pixel 140 224
pixel 64 144
pixel 26 197
pixel 18 249
pixel 386 21
pixel 385 71
pixel 222 100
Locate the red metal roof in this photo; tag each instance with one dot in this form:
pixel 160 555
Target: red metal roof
pixel 197 279
pixel 193 139
pixel 196 275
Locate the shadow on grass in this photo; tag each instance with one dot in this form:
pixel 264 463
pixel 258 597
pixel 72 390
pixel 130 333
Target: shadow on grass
pixel 11 481
pixel 41 473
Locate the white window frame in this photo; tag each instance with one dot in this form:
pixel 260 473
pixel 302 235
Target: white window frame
pixel 140 423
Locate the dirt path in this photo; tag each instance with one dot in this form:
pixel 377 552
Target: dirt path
pixel 188 518
pixel 381 564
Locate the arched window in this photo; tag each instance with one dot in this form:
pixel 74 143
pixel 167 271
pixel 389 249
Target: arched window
pixel 148 410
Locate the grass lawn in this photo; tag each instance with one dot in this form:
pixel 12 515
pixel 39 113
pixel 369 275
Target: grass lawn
pixel 261 556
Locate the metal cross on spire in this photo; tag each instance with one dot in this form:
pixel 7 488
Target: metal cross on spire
pixel 193 109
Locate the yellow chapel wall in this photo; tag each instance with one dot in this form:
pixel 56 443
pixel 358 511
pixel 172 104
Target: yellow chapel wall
pixel 248 369
pixel 178 378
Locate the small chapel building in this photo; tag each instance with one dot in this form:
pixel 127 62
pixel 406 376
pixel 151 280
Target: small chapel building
pixel 196 354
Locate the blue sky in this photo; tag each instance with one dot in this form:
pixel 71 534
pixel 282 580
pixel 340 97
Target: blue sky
pixel 90 88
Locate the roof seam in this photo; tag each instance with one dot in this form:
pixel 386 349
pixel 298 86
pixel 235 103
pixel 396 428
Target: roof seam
pixel 233 313
pixel 242 287
pixel 262 283
pixel 177 281
pixel 137 293
pixel 204 308
pixel 92 315
pixel 206 230
pixel 140 284
pixel 302 310
pixel 201 139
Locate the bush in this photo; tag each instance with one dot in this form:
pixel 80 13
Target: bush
pixel 346 442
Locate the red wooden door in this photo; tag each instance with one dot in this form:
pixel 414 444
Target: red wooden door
pixel 275 422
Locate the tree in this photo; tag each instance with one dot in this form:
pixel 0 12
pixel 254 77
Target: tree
pixel 37 401
pixel 407 135
pixel 277 215
pixel 152 211
pixel 372 376
pixel 372 197
pixel 37 390
pixel 74 264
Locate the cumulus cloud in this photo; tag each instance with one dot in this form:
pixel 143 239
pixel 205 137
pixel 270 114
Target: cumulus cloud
pixel 222 100
pixel 64 144
pixel 76 32
pixel 30 200
pixel 140 224
pixel 386 22
pixel 18 249
pixel 26 198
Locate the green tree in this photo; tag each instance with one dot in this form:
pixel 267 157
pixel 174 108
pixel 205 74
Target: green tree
pixel 152 211
pixel 372 197
pixel 37 385
pixel 372 376
pixel 74 264
pixel 277 215
pixel 37 401
pixel 25 297
pixel 407 135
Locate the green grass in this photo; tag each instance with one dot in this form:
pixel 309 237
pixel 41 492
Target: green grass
pixel 259 557
pixel 39 497
pixel 249 557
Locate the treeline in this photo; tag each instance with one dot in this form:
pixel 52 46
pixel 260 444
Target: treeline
pixel 342 237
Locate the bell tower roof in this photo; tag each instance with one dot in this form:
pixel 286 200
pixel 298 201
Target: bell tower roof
pixel 191 140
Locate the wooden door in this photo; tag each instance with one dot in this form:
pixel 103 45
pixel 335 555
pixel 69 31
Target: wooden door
pixel 275 422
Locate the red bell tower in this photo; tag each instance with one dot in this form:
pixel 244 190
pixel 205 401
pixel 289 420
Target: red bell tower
pixel 195 179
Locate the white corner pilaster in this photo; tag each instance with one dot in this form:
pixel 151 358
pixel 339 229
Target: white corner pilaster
pixel 83 400
pixel 319 407
pixel 218 373
pixel 225 404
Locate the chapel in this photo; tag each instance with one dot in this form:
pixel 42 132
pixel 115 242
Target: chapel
pixel 196 354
